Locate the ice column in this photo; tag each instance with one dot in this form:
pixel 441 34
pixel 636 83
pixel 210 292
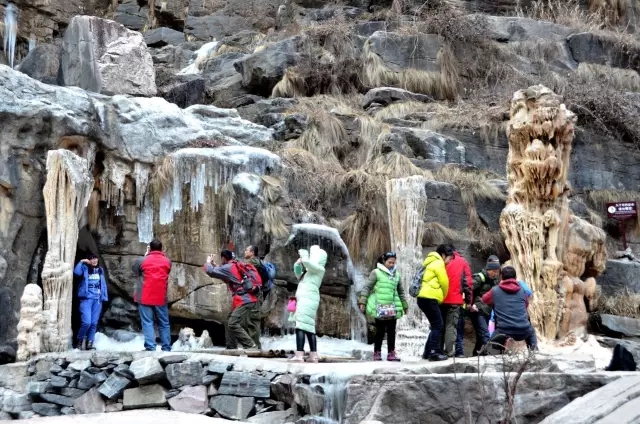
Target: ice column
pixel 406 205
pixel 10 32
pixel 66 194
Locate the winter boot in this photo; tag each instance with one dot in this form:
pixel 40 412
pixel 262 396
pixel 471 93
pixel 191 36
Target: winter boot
pixel 377 356
pixel 391 356
pixel 299 357
pixel 90 346
pixel 313 357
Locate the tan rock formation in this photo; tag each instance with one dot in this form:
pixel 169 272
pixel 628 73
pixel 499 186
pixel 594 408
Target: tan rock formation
pixel 30 324
pixel 557 253
pixel 66 194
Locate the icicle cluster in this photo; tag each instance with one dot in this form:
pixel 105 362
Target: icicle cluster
pixel 213 168
pixel 66 195
pixel 406 205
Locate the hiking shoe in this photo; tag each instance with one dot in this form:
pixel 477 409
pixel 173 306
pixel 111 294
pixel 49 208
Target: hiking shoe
pixel 377 356
pixel 437 357
pixel 90 346
pixel 391 356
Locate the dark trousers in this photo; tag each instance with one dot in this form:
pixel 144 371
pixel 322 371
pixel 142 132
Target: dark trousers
pixel 89 315
pixel 388 327
pixel 243 326
pixel 148 316
pixel 431 309
pixel 300 334
pixel 480 323
pixel 460 333
pixel 502 334
pixel 450 315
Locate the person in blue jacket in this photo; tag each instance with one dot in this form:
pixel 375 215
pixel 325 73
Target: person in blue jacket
pixel 92 291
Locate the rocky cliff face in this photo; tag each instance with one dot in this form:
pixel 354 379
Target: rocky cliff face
pixel 331 101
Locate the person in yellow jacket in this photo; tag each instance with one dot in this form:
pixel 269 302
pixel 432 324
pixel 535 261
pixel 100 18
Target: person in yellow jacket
pixel 435 285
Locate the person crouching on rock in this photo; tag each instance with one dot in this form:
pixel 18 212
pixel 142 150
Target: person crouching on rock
pixel 309 270
pixel 92 291
pixel 510 303
pixel 435 285
pixel 383 299
pixel 241 323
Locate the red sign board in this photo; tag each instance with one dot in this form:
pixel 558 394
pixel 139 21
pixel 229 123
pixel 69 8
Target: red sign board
pixel 622 210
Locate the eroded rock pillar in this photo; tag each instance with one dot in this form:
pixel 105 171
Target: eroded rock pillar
pixel 66 194
pixel 551 249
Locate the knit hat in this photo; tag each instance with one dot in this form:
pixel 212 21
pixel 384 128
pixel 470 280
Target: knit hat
pixel 493 262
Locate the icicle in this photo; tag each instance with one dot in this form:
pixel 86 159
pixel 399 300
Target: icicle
pixel 113 179
pixel 406 204
pixel 10 32
pixel 32 42
pixel 145 222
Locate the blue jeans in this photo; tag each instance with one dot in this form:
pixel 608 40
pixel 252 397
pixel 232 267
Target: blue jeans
pixel 431 309
pixel 480 323
pixel 528 335
pixel 90 310
pixel 147 319
pixel 460 334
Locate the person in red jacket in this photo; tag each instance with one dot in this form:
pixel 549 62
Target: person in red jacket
pixel 459 293
pixel 152 272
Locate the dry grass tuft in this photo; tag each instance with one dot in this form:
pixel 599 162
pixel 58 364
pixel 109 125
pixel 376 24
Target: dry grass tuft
pixel 564 12
pixel 625 304
pixel 473 185
pixel 440 85
pixel 617 78
pixel 396 165
pixel 436 233
pixel 292 84
pixel 325 136
pixel 163 173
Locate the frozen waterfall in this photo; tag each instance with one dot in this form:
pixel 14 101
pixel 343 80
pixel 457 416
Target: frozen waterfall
pixel 406 204
pixel 10 32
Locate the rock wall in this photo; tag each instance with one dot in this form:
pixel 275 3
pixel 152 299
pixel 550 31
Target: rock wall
pixel 273 392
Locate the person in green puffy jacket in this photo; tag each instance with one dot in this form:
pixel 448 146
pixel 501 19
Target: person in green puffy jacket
pixel 435 285
pixel 309 270
pixel 383 292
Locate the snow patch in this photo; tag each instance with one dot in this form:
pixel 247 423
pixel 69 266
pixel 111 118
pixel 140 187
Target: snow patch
pixel 249 182
pixel 199 58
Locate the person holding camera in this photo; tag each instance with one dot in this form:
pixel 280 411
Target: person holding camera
pixel 243 281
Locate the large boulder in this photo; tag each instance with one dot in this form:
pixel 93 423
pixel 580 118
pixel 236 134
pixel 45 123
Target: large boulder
pixel 105 57
pixel 159 37
pixel 130 14
pixel 42 63
pixel 604 49
pixel 617 402
pixel 620 275
pixel 385 397
pixel 262 70
pixel 399 52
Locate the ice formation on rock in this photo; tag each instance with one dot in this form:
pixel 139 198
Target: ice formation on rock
pixel 66 194
pixel 30 324
pixel 406 205
pixel 557 253
pixel 10 32
pixel 210 168
pixel 187 340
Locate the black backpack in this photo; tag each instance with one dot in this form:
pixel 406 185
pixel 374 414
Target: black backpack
pixel 622 360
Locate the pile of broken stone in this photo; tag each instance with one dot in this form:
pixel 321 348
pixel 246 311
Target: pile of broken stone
pixel 102 382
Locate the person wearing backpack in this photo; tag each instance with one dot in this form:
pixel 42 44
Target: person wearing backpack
pixel 92 291
pixel 383 299
pixel 459 294
pixel 480 313
pixel 434 288
pixel 267 270
pixel 243 281
pixel 309 270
